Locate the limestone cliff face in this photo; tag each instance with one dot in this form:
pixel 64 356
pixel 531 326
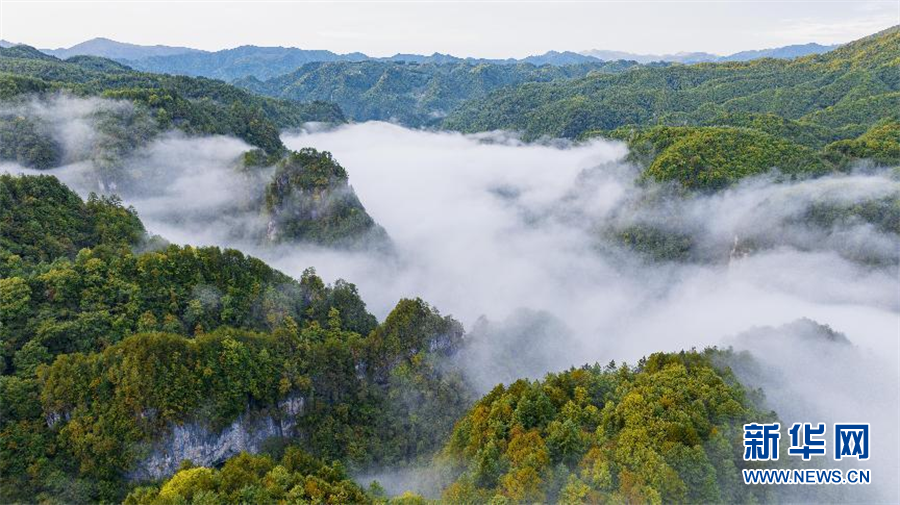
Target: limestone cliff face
pixel 203 447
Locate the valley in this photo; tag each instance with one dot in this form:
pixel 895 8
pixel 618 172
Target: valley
pixel 330 278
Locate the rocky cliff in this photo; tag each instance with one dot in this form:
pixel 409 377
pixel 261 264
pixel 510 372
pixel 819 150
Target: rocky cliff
pixel 202 446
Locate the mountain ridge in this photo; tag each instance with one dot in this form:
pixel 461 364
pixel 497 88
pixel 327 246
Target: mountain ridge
pixel 108 48
pixel 781 52
pixel 265 62
pixel 846 90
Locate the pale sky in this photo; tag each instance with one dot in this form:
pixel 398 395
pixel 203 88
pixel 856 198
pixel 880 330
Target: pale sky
pixel 482 29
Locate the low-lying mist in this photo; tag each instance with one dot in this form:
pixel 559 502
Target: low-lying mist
pixel 487 229
pixel 522 244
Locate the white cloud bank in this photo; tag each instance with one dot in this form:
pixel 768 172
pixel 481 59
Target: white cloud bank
pixel 509 239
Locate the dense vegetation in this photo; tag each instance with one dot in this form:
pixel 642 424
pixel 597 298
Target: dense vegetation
pixel 111 338
pixel 666 431
pixel 880 144
pixel 22 141
pixel 309 199
pixel 267 62
pixel 41 220
pixel 847 89
pixel 413 94
pixel 777 112
pixel 296 478
pixel 714 157
pixel 195 105
pixel 104 348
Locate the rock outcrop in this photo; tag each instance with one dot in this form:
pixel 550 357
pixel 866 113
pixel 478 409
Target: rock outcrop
pixel 202 446
pixel 310 200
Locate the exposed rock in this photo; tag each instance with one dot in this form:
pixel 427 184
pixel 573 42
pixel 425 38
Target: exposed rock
pixel 203 447
pixel 54 417
pixel 310 200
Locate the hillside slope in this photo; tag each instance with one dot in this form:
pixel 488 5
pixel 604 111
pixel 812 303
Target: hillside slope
pixel 195 105
pixel 845 91
pixel 413 94
pixel 108 352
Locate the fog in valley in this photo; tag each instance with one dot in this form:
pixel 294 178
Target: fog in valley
pixel 519 242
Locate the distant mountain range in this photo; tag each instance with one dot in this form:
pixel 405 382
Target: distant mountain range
pixel 117 50
pixel 786 52
pixel 267 62
pixel 244 61
pixel 602 54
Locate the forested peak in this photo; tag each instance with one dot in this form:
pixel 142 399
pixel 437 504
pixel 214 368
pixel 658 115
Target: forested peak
pixel 25 52
pixel 659 432
pixel 414 326
pixel 303 173
pixel 873 51
pixel 99 64
pixel 310 200
pixel 310 169
pixel 41 220
pixel 713 157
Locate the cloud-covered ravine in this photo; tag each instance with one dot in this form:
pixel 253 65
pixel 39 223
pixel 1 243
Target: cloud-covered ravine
pixel 532 247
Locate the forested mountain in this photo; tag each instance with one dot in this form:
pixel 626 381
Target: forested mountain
pixel 105 350
pixel 195 105
pixel 410 93
pixel 112 357
pixel 845 90
pixel 808 111
pixel 609 434
pixel 266 62
pixel 308 200
pixel 244 61
pixel 137 371
pixel 664 431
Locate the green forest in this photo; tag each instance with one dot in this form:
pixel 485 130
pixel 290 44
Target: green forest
pixel 195 105
pixel 112 338
pixel 309 199
pixel 664 431
pixel 812 114
pixel 413 94
pixel 845 91
pixel 105 347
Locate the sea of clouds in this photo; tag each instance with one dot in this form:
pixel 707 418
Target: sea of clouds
pixel 517 241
